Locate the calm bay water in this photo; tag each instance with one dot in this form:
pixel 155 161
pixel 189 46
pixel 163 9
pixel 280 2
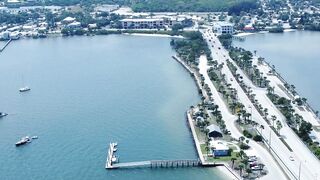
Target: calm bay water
pixel 86 92
pixel 296 56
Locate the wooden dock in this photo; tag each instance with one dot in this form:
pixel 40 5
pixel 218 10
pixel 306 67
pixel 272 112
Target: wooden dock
pixel 157 164
pixel 110 156
pixel 112 162
pixel 7 43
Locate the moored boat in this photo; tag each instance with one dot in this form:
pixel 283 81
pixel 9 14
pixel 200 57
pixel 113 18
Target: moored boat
pixel 114 159
pixel 23 141
pixel 2 114
pixel 24 89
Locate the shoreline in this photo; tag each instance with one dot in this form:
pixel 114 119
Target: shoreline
pixel 153 35
pixel 244 34
pixel 222 167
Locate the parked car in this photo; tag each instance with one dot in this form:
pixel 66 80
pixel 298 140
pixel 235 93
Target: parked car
pixel 291 158
pixel 256 168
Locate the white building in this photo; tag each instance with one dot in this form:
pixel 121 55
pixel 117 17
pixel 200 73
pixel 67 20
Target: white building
pixel 75 24
pixel 68 20
pixel 147 23
pixel 223 27
pixel 5 35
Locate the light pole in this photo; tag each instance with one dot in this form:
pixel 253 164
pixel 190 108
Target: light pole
pixel 299 170
pixel 270 140
pixel 250 111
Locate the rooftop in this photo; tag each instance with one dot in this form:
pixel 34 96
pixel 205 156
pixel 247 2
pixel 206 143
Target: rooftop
pixel 140 20
pixel 223 23
pixel 214 127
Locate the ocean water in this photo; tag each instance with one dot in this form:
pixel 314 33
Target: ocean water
pixel 296 56
pixel 87 92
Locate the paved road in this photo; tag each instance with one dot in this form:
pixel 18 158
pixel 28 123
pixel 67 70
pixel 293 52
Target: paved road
pixel 303 157
pixel 273 169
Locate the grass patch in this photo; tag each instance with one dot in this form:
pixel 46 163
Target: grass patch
pixel 200 135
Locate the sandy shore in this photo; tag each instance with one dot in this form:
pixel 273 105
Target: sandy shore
pixel 261 32
pixel 289 30
pixel 243 34
pixel 226 173
pixel 152 35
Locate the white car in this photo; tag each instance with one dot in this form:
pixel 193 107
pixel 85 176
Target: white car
pixel 291 158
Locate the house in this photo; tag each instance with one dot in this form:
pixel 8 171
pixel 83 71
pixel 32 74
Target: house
pixel 92 26
pixel 214 131
pixel 68 20
pixel 219 148
pixel 150 23
pixel 4 35
pixel 248 28
pixel 74 25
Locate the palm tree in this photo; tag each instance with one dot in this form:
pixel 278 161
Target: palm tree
pixel 232 160
pixel 265 112
pixel 247 141
pixel 233 106
pixel 239 117
pixel 270 90
pixel 261 127
pixel 241 139
pixel 207 146
pixel 273 118
pixel 241 154
pixel 206 131
pixel 241 167
pixel 279 126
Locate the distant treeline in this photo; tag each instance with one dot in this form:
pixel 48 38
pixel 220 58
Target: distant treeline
pixel 83 2
pixel 232 6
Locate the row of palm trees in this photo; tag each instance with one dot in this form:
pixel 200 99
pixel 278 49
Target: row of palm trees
pixel 228 93
pixel 243 59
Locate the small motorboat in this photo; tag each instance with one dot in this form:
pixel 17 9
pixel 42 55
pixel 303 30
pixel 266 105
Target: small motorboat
pixel 34 137
pixel 115 149
pixel 23 140
pixel 115 144
pixel 114 159
pixel 24 89
pixel 2 114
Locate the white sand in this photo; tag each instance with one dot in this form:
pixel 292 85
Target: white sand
pixel 153 35
pixel 243 34
pixel 289 30
pixel 227 174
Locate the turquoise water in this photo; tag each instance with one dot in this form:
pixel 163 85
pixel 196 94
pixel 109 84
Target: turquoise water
pixel 296 56
pixel 86 92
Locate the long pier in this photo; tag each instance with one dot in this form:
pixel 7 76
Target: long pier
pixel 112 161
pixel 7 43
pixel 159 164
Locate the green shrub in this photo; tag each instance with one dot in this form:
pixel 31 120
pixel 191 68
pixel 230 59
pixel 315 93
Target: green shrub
pixel 257 138
pixel 247 134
